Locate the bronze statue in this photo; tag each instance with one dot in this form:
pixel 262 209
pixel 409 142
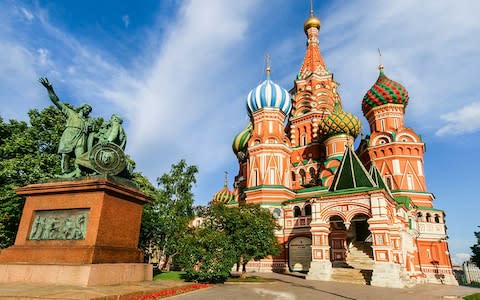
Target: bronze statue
pixel 94 152
pixel 77 128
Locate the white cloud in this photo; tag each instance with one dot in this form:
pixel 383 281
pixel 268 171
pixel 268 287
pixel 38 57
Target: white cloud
pixel 459 258
pixel 464 120
pixel 17 66
pixel 43 57
pixel 126 20
pixel 27 14
pixel 178 105
pixel 428 48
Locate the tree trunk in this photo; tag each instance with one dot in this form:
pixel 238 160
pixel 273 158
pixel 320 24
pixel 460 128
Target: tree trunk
pixel 169 262
pixel 244 269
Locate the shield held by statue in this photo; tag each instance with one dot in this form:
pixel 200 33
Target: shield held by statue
pixel 106 158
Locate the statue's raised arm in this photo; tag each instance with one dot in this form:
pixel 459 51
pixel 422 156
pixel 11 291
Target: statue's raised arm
pixel 51 93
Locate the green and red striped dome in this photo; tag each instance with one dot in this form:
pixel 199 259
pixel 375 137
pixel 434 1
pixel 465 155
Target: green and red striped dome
pixel 384 91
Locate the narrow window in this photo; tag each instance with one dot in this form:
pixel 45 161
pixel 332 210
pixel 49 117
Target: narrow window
pixel 254 178
pixel 272 175
pixel 410 182
pixel 302 177
pixel 308 210
pixel 428 217
pixel 297 212
pixel 303 139
pixel 312 175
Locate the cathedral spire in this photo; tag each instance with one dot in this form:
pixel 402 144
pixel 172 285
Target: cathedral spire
pixel 225 184
pixel 313 61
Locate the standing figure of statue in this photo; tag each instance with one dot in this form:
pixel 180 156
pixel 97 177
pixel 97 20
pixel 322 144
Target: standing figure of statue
pixel 74 137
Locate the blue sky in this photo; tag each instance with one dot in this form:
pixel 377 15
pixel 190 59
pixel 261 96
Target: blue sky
pixel 179 73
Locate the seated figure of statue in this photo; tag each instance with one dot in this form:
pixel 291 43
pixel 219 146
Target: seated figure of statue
pixel 113 132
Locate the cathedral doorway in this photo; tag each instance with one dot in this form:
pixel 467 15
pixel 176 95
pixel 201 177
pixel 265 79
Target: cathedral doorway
pixel 300 254
pixel 337 239
pixel 358 231
pixel 359 244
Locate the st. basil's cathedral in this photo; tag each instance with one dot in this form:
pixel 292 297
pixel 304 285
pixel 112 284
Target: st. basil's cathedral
pixel 361 215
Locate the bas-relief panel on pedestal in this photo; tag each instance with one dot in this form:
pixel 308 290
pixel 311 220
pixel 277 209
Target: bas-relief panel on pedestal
pixel 62 224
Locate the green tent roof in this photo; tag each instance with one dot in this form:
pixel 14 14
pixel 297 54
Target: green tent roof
pixel 351 174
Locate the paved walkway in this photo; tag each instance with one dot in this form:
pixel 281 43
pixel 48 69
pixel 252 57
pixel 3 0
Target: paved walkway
pixel 293 288
pixel 112 292
pixel 284 288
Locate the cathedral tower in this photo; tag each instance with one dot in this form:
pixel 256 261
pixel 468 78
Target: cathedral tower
pixel 395 150
pixel 268 149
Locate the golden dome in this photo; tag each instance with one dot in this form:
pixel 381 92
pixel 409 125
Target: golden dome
pixel 312 21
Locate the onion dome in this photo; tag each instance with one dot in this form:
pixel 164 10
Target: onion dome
pixel 240 141
pixel 269 94
pixel 384 91
pixel 340 122
pixel 312 21
pixel 224 195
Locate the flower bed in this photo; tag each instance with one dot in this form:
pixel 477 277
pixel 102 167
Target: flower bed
pixel 171 292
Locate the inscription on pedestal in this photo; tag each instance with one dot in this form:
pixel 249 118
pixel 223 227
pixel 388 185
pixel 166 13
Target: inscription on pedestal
pixel 61 224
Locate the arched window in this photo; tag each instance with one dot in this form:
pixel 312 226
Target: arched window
pixel 277 212
pixel 428 217
pixel 302 176
pixel 420 217
pixel 303 139
pixel 308 210
pixel 293 176
pixel 437 218
pixel 297 212
pixel 313 178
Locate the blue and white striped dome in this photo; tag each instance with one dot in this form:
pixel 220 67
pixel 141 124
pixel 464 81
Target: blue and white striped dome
pixel 269 94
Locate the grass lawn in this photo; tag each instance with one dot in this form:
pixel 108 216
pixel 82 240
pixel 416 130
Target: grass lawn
pixel 472 297
pixel 172 275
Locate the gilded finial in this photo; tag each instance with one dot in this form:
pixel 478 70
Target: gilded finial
pixel 311 21
pixel 225 184
pixel 268 62
pixel 380 65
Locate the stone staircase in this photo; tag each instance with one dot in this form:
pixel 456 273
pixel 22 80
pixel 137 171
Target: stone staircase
pixel 359 265
pixel 352 275
pixel 360 256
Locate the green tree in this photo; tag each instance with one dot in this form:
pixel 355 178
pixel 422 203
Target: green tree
pixel 251 229
pixel 206 254
pixel 167 217
pixel 476 250
pixel 228 235
pixel 28 154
